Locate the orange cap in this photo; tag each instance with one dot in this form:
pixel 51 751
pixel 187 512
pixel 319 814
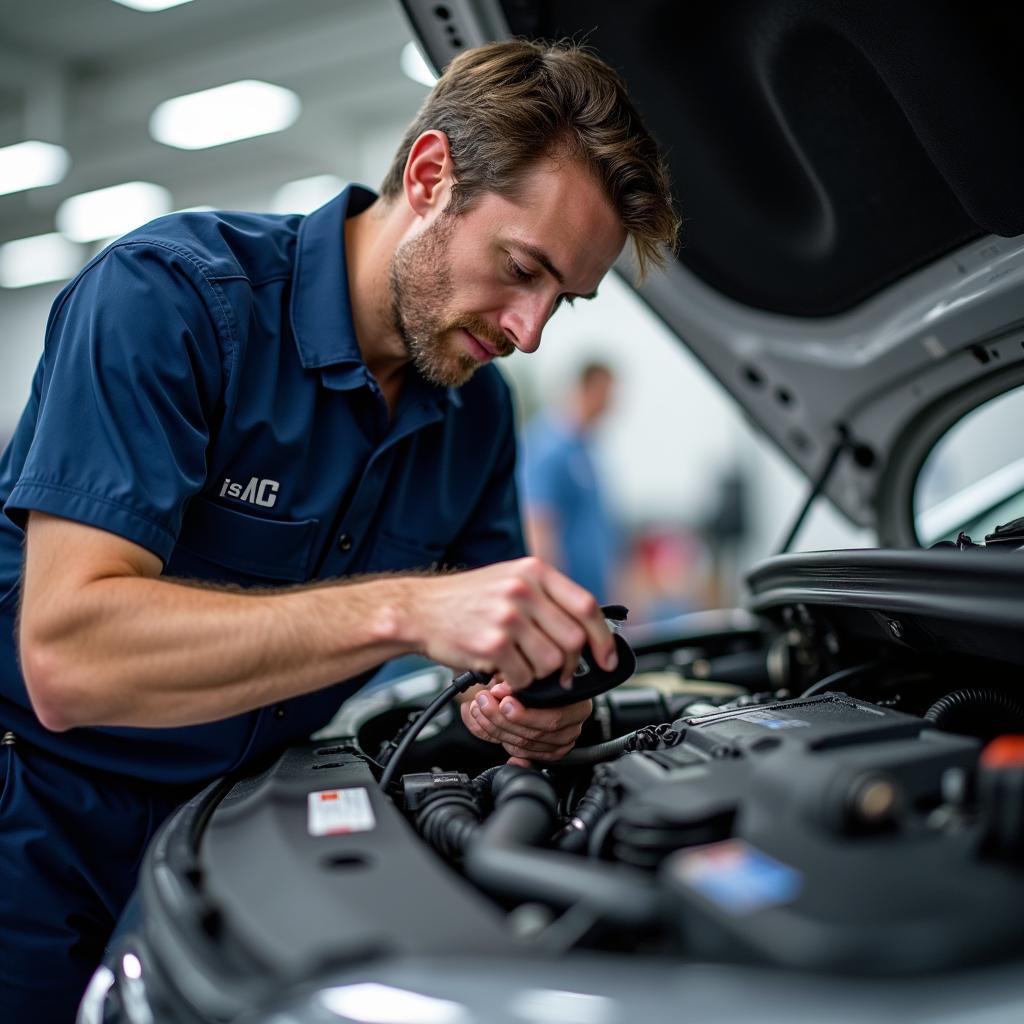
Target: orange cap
pixel 1004 752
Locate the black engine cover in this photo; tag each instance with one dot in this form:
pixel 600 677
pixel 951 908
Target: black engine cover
pixel 814 834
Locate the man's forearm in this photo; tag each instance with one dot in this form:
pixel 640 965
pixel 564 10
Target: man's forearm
pixel 154 652
pixel 104 640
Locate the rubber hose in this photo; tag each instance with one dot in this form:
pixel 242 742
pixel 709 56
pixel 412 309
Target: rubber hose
pixel 486 777
pixel 650 737
pixel 593 805
pixel 449 822
pixel 969 708
pixel 606 751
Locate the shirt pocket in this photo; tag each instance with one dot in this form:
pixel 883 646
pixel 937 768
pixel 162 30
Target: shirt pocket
pixel 266 548
pixel 392 553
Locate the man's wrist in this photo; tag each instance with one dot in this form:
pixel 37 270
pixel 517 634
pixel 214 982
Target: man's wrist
pixel 395 620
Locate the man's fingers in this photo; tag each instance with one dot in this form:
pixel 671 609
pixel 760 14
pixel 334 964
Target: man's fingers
pixel 541 729
pixel 498 731
pixel 566 633
pixel 551 619
pixel 542 719
pixel 584 608
pixel 480 725
pixel 541 653
pixel 499 690
pixel 507 662
pixel 520 620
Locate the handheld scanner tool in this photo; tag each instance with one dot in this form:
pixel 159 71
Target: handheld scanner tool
pixel 589 679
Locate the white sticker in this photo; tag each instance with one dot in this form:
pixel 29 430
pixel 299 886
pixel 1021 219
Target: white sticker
pixel 334 812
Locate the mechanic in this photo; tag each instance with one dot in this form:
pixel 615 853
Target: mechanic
pixel 251 445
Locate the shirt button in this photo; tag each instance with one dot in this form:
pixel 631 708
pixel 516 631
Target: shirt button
pixel 345 542
pixel 279 711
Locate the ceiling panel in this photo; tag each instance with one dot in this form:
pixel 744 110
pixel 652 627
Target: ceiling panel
pixel 88 74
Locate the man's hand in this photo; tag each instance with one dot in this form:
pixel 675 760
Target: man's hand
pixel 528 734
pixel 520 620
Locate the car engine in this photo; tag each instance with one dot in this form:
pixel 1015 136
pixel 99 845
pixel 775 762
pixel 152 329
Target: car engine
pixel 828 786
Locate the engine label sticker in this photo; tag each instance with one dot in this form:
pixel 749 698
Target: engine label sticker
pixel 334 812
pixel 736 876
pixel 770 721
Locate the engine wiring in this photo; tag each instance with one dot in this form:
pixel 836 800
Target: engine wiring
pixel 458 685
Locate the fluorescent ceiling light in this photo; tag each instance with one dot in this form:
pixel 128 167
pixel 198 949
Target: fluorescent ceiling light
pixel 414 65
pixel 306 194
pixel 151 5
pixel 32 165
pixel 37 260
pixel 109 212
pixel 227 113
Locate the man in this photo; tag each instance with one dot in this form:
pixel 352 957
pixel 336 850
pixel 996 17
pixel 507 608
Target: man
pixel 567 519
pixel 236 401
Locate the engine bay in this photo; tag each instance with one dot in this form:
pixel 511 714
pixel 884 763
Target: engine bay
pixel 796 789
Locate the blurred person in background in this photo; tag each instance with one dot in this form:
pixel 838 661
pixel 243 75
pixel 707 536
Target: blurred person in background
pixel 566 515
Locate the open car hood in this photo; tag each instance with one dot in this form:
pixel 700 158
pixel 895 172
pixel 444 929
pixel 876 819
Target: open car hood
pixel 852 266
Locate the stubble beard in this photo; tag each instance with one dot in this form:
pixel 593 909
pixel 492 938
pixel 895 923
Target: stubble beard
pixel 421 295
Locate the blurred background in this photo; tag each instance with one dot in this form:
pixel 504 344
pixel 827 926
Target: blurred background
pixel 696 497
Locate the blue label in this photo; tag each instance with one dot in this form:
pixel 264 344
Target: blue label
pixel 737 877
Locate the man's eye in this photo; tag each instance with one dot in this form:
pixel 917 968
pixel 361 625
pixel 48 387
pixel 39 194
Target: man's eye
pixel 518 272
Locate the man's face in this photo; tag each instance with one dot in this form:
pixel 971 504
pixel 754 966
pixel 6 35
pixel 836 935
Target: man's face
pixel 476 286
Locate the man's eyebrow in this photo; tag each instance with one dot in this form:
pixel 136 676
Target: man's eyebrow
pixel 545 261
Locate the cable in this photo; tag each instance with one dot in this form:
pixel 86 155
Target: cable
pixel 459 685
pixel 844 675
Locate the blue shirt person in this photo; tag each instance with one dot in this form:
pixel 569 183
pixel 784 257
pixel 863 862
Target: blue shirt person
pixel 244 432
pixel 568 520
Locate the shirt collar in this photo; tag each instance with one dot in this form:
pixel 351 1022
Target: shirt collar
pixel 321 308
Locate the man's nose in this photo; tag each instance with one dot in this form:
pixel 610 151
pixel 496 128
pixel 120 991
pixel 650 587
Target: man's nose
pixel 524 324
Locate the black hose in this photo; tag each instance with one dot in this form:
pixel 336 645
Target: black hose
pixel 482 783
pixel 650 737
pixel 500 859
pixel 607 751
pixel 593 806
pixel 977 711
pixel 449 820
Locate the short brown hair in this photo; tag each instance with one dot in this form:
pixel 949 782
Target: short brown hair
pixel 505 105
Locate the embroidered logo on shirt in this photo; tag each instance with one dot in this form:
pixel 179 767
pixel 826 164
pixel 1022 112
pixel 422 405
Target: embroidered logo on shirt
pixel 255 492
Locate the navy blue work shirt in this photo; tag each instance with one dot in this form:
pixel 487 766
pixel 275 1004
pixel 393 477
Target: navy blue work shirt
pixel 202 393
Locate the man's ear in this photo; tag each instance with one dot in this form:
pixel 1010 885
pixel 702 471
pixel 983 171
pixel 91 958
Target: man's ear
pixel 429 174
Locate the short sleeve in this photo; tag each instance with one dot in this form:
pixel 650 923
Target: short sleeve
pixel 132 373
